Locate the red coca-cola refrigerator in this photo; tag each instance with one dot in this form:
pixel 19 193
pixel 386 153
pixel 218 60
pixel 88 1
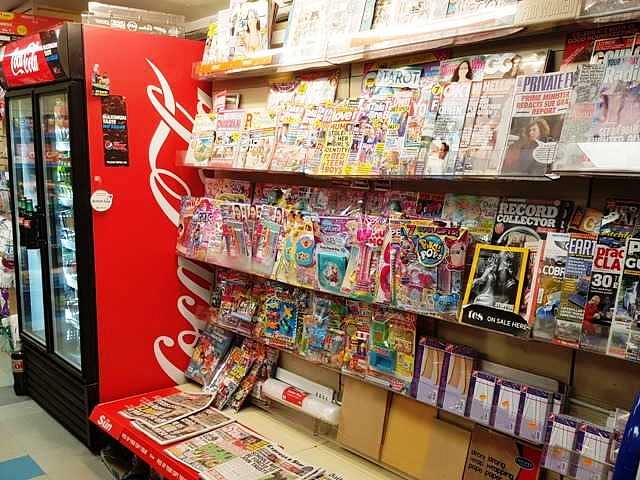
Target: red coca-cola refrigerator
pixel 95 119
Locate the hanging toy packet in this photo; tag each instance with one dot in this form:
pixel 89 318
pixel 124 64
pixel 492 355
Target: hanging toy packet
pixel 333 251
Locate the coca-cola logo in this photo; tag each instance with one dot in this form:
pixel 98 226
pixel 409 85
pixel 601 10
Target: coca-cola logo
pixel 25 60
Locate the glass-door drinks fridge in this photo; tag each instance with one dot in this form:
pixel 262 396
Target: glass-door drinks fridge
pixel 101 295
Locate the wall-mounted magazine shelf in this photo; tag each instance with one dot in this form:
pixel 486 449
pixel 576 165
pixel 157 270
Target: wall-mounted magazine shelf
pixel 354 376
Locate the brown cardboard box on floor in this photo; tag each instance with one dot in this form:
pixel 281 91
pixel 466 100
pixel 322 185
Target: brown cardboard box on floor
pixel 363 414
pixel 418 443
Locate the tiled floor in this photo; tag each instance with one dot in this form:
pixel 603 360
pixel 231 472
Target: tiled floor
pixel 34 446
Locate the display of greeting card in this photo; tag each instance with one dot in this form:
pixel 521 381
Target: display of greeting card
pixel 428 268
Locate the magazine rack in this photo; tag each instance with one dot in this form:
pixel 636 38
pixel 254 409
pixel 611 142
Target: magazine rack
pixel 595 158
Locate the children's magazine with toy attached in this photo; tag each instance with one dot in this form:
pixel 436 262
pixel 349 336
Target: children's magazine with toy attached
pixel 618 224
pixel 280 315
pixel 624 339
pixel 196 230
pixel 539 108
pixel 202 140
pixel 184 428
pixel 428 269
pixel 210 349
pixel 546 294
pixel 521 220
pixel 236 248
pixel 228 131
pixel 297 258
pixel 357 326
pixel 475 214
pixel 574 289
pixel 497 277
pixel 332 252
pixel 392 348
pixel 228 190
pixel 159 411
pixel 323 338
pixel 366 248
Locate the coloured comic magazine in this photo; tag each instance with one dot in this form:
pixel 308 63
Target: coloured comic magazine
pixel 624 338
pixel 574 289
pixel 216 447
pixel 159 411
pixel 546 295
pixel 539 108
pixel 392 343
pixel 211 347
pixel 448 127
pixel 497 277
pixel 202 140
pixel 250 25
pixel 184 428
pixel 428 267
pixel 578 123
pixel 229 127
pixel 619 224
pixel 357 326
pixel 235 367
pixel 280 315
pixel 578 47
pixel 306 35
pixel 338 138
pixel 521 220
pixel 475 214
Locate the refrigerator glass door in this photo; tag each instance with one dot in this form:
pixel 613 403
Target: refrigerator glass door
pixel 56 153
pixel 25 194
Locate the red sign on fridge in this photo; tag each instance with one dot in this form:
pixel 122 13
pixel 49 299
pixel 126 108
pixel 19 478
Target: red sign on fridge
pixel 25 61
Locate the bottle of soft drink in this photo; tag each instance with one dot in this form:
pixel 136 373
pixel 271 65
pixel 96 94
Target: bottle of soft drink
pixel 21 208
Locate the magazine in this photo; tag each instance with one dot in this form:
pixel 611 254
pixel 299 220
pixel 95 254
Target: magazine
pixel 384 14
pixel 539 108
pixel 546 295
pixel 357 325
pixel 497 277
pixel 369 136
pixel 184 428
pixel 346 18
pixel 579 45
pixel 306 36
pixel 521 220
pixel 603 7
pixel 532 11
pixel 229 127
pixel 217 446
pixel 463 69
pixel 475 214
pixel 624 338
pixel 258 142
pixel 419 12
pixel 490 129
pixel 250 25
pixel 211 347
pixel 338 139
pixel 163 410
pixel 447 130
pixel 196 232
pixel 289 152
pixel 574 289
pixel 618 224
pixel 228 190
pixel 579 120
pixel 202 140
pixel 235 367
pixel 467 128
pixel 471 7
pixel 606 48
pixel 400 155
